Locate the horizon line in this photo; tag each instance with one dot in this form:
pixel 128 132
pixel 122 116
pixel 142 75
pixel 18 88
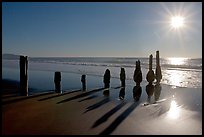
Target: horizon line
pixel 99 56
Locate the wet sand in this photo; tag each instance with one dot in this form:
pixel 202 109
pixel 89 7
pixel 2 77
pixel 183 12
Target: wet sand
pixel 96 111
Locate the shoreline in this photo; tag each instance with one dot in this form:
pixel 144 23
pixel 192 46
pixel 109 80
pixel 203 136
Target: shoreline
pixel 14 85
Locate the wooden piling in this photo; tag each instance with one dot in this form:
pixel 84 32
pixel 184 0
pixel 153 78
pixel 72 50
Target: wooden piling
pixel 158 68
pixel 122 77
pixel 83 80
pixel 57 80
pixel 24 75
pixel 150 62
pixel 137 73
pixel 150 75
pixel 157 58
pixel 106 78
pixel 22 72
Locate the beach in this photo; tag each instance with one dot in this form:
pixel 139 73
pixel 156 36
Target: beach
pixel 171 108
pixel 91 112
pixel 102 68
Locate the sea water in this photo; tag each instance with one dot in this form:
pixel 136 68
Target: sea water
pixel 176 72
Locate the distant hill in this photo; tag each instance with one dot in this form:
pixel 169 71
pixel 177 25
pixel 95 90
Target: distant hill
pixel 10 56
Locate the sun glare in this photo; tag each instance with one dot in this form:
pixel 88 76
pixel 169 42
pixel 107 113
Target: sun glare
pixel 177 21
pixel 176 78
pixel 173 112
pixel 177 61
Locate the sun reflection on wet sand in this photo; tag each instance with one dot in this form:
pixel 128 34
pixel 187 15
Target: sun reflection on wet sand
pixel 174 110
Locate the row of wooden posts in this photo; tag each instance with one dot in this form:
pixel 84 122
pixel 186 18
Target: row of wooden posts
pixel 150 77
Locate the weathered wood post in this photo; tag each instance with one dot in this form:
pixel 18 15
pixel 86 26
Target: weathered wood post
pixel 57 80
pixel 150 62
pixel 24 75
pixel 150 78
pixel 106 78
pixel 122 77
pixel 150 75
pixel 158 68
pixel 83 80
pixel 137 73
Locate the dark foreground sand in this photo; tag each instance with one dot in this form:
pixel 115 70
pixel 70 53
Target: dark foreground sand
pixel 76 112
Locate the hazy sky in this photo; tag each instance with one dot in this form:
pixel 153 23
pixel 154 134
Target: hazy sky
pixel 101 29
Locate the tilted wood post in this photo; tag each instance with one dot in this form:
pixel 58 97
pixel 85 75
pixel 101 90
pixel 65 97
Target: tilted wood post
pixel 24 75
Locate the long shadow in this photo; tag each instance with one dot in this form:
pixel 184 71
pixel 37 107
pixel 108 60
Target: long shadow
pixel 59 95
pixel 88 98
pixel 10 96
pixel 81 95
pixel 97 105
pixel 119 119
pixel 108 114
pixel 25 97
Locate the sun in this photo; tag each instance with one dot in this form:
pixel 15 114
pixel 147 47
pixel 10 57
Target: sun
pixel 177 22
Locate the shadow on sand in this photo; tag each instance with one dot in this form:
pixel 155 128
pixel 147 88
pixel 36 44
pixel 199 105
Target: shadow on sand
pixel 88 98
pixel 137 91
pixel 80 96
pixel 105 117
pixel 9 96
pixel 97 105
pixel 119 119
pixel 66 93
pixel 26 97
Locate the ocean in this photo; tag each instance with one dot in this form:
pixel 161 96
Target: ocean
pixel 176 72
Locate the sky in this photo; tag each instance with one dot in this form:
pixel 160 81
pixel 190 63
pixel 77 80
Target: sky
pixel 101 29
